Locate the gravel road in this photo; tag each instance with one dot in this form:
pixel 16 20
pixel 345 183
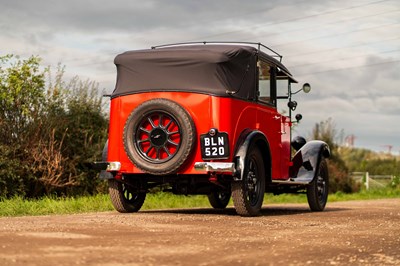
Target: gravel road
pixel 354 232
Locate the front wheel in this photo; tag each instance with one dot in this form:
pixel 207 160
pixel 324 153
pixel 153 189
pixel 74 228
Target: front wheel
pixel 125 197
pixel 248 194
pixel 317 190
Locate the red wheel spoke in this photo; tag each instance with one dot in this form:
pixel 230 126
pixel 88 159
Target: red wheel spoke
pixel 173 143
pixel 151 122
pixel 168 124
pixel 158 155
pixel 167 151
pixel 143 140
pixel 144 130
pixel 160 121
pixel 148 150
pixel 173 133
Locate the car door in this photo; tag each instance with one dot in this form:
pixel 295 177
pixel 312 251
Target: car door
pixel 268 118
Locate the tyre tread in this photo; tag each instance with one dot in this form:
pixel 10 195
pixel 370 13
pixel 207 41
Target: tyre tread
pixel 118 200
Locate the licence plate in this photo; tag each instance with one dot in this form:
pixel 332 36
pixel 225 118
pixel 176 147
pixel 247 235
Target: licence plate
pixel 214 147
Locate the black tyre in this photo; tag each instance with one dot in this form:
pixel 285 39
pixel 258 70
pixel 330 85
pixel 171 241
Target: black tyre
pixel 317 191
pixel 219 200
pixel 159 136
pixel 125 198
pixel 248 194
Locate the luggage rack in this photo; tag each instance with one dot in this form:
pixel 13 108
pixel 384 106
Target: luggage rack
pixel 258 44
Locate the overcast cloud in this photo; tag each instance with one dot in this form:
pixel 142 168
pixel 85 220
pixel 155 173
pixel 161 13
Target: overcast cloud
pixel 347 50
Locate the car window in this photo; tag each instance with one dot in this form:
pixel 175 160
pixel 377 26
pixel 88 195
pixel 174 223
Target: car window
pixel 264 83
pixel 282 85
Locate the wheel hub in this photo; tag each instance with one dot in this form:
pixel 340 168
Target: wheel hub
pixel 158 137
pixel 252 180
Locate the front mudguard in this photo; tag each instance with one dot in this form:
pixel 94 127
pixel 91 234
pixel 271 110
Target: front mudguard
pixel 306 161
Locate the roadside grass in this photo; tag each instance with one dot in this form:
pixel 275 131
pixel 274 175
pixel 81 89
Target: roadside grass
pixel 51 205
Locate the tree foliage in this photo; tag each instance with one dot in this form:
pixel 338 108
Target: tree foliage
pixel 362 160
pixel 49 130
pixel 339 175
pixel 345 160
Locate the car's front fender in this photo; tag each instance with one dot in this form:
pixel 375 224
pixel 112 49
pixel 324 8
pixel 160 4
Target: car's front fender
pixel 306 161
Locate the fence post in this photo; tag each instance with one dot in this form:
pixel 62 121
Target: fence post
pixel 367 180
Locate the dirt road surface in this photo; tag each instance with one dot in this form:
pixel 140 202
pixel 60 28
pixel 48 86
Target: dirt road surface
pixel 355 232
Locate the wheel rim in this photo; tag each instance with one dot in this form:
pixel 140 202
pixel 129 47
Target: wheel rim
pixel 253 184
pixel 158 137
pixel 321 189
pixel 223 197
pixel 129 196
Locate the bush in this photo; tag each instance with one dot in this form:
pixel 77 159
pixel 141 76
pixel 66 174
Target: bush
pixel 339 177
pixel 340 180
pixel 395 184
pixel 48 134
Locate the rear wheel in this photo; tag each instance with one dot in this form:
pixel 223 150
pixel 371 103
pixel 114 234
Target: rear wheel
pixel 248 194
pixel 125 197
pixel 219 200
pixel 317 191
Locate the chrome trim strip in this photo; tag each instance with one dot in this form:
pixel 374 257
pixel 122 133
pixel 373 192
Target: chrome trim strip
pixel 114 166
pixel 290 182
pixel 215 167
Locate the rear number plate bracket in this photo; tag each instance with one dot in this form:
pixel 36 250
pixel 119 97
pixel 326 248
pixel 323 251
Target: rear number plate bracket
pixel 214 147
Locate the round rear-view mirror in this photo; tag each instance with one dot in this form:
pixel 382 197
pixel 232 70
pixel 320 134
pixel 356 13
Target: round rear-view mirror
pixel 306 87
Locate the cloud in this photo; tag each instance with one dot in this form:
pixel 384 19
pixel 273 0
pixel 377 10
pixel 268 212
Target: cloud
pixel 347 52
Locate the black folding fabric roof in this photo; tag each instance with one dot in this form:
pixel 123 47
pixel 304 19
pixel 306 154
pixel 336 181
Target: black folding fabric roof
pixel 209 69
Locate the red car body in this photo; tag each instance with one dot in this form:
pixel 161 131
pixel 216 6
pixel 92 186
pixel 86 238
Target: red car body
pixel 207 112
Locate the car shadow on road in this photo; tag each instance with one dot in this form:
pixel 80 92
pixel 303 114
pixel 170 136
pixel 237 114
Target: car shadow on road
pixel 230 211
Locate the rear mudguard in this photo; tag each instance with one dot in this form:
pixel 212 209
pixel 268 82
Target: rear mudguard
pixel 104 175
pixel 246 139
pixel 306 161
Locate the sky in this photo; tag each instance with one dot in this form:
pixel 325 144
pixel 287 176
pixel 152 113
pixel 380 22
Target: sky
pixel 347 50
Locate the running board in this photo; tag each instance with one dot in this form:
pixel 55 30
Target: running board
pixel 289 182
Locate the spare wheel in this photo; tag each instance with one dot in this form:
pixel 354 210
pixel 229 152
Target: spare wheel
pixel 159 136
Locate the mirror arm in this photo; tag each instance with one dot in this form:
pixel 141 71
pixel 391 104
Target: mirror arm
pixel 297 91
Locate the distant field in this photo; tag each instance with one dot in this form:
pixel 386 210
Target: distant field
pixel 51 205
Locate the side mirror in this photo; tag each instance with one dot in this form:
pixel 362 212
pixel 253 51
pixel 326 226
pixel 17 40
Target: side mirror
pixel 306 87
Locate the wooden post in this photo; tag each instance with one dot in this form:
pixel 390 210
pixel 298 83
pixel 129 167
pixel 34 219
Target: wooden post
pixel 367 180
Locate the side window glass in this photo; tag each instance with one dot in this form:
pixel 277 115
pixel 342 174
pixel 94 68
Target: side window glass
pixel 264 82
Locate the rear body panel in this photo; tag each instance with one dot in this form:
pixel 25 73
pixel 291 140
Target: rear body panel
pixel 226 114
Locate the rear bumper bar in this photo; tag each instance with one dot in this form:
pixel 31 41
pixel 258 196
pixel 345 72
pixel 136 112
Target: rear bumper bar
pixel 215 167
pixel 108 166
pixel 209 167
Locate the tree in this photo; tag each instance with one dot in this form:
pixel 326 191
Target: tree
pixel 339 176
pixel 48 131
pixel 21 101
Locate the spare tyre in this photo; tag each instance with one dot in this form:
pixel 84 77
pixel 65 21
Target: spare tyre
pixel 159 136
